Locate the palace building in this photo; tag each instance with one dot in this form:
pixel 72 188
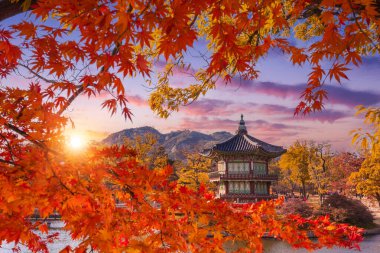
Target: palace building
pixel 240 167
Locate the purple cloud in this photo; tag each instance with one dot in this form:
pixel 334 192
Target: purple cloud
pixel 324 116
pixel 217 124
pixel 205 107
pixel 336 94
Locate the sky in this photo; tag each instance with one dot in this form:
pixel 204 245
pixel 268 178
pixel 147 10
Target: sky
pixel 267 104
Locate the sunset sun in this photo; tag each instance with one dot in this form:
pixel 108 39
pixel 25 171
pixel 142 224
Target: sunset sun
pixel 76 142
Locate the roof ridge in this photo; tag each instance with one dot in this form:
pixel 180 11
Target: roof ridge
pixel 226 140
pixel 246 136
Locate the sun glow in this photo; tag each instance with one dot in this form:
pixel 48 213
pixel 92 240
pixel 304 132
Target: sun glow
pixel 76 142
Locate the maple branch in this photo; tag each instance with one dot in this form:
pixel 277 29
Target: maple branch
pixel 29 138
pixel 81 88
pixel 193 21
pixel 9 147
pixel 7 162
pixel 71 99
pixel 146 8
pixel 38 75
pixel 360 28
pixel 57 177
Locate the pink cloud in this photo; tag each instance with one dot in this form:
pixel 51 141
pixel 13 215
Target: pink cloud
pixel 216 107
pixel 206 107
pixel 137 100
pixel 218 124
pixel 326 115
pixel 336 94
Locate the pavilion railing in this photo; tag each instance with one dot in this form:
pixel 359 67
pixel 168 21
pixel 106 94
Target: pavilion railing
pixel 246 176
pixel 251 196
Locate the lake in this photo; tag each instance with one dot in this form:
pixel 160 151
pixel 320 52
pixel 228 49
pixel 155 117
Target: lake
pixel 371 244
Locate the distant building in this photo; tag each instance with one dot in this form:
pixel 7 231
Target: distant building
pixel 240 168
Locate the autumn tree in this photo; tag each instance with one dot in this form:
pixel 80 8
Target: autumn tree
pixel 69 48
pixel 342 165
pixel 367 179
pixel 320 156
pixel 296 161
pixel 194 171
pixel 284 184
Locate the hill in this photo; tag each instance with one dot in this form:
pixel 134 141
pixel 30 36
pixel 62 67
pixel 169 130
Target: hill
pixel 175 142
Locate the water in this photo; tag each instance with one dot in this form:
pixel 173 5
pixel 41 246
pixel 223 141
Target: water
pixel 371 244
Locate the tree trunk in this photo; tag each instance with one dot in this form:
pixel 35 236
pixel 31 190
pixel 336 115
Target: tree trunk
pixel 303 190
pixel 9 9
pixel 378 198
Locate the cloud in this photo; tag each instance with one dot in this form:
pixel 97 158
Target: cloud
pixel 329 116
pixel 336 94
pixel 206 107
pixel 137 100
pixel 223 124
pixel 323 116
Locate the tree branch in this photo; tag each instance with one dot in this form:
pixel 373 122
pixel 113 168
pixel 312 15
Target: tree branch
pixel 30 139
pixel 36 74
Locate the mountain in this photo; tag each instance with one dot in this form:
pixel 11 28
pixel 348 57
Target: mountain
pixel 175 142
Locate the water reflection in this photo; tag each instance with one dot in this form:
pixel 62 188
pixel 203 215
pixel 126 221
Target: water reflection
pixel 371 244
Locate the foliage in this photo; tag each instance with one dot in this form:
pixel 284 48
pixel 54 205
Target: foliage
pixel 314 163
pixel 367 179
pixel 148 151
pixel 284 185
pixel 342 165
pixel 131 37
pixel 343 209
pixel 195 171
pixel 296 161
pixel 296 206
pixel 73 48
pixel 320 167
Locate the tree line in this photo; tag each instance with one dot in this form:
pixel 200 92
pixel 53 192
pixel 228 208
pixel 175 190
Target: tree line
pixel 313 167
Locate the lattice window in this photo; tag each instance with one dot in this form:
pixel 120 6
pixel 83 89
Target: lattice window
pixel 259 168
pixel 261 188
pixel 238 167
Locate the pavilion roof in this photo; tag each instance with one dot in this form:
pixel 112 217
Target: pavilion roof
pixel 244 143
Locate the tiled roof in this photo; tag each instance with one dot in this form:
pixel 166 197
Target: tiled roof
pixel 244 143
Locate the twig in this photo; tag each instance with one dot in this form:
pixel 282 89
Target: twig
pixel 36 74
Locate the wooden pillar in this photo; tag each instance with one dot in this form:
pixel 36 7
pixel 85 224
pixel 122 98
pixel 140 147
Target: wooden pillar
pixel 252 187
pixel 268 187
pixel 226 185
pixel 226 167
pixel 266 165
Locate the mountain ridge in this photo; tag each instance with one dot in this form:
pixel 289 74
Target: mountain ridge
pixel 174 142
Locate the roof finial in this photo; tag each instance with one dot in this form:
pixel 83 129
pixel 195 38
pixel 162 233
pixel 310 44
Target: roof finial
pixel 242 129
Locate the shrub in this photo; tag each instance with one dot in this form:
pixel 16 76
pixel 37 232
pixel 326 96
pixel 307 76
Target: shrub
pixel 346 210
pixel 296 206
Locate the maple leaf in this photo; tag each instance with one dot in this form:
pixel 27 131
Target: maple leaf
pixel 337 71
